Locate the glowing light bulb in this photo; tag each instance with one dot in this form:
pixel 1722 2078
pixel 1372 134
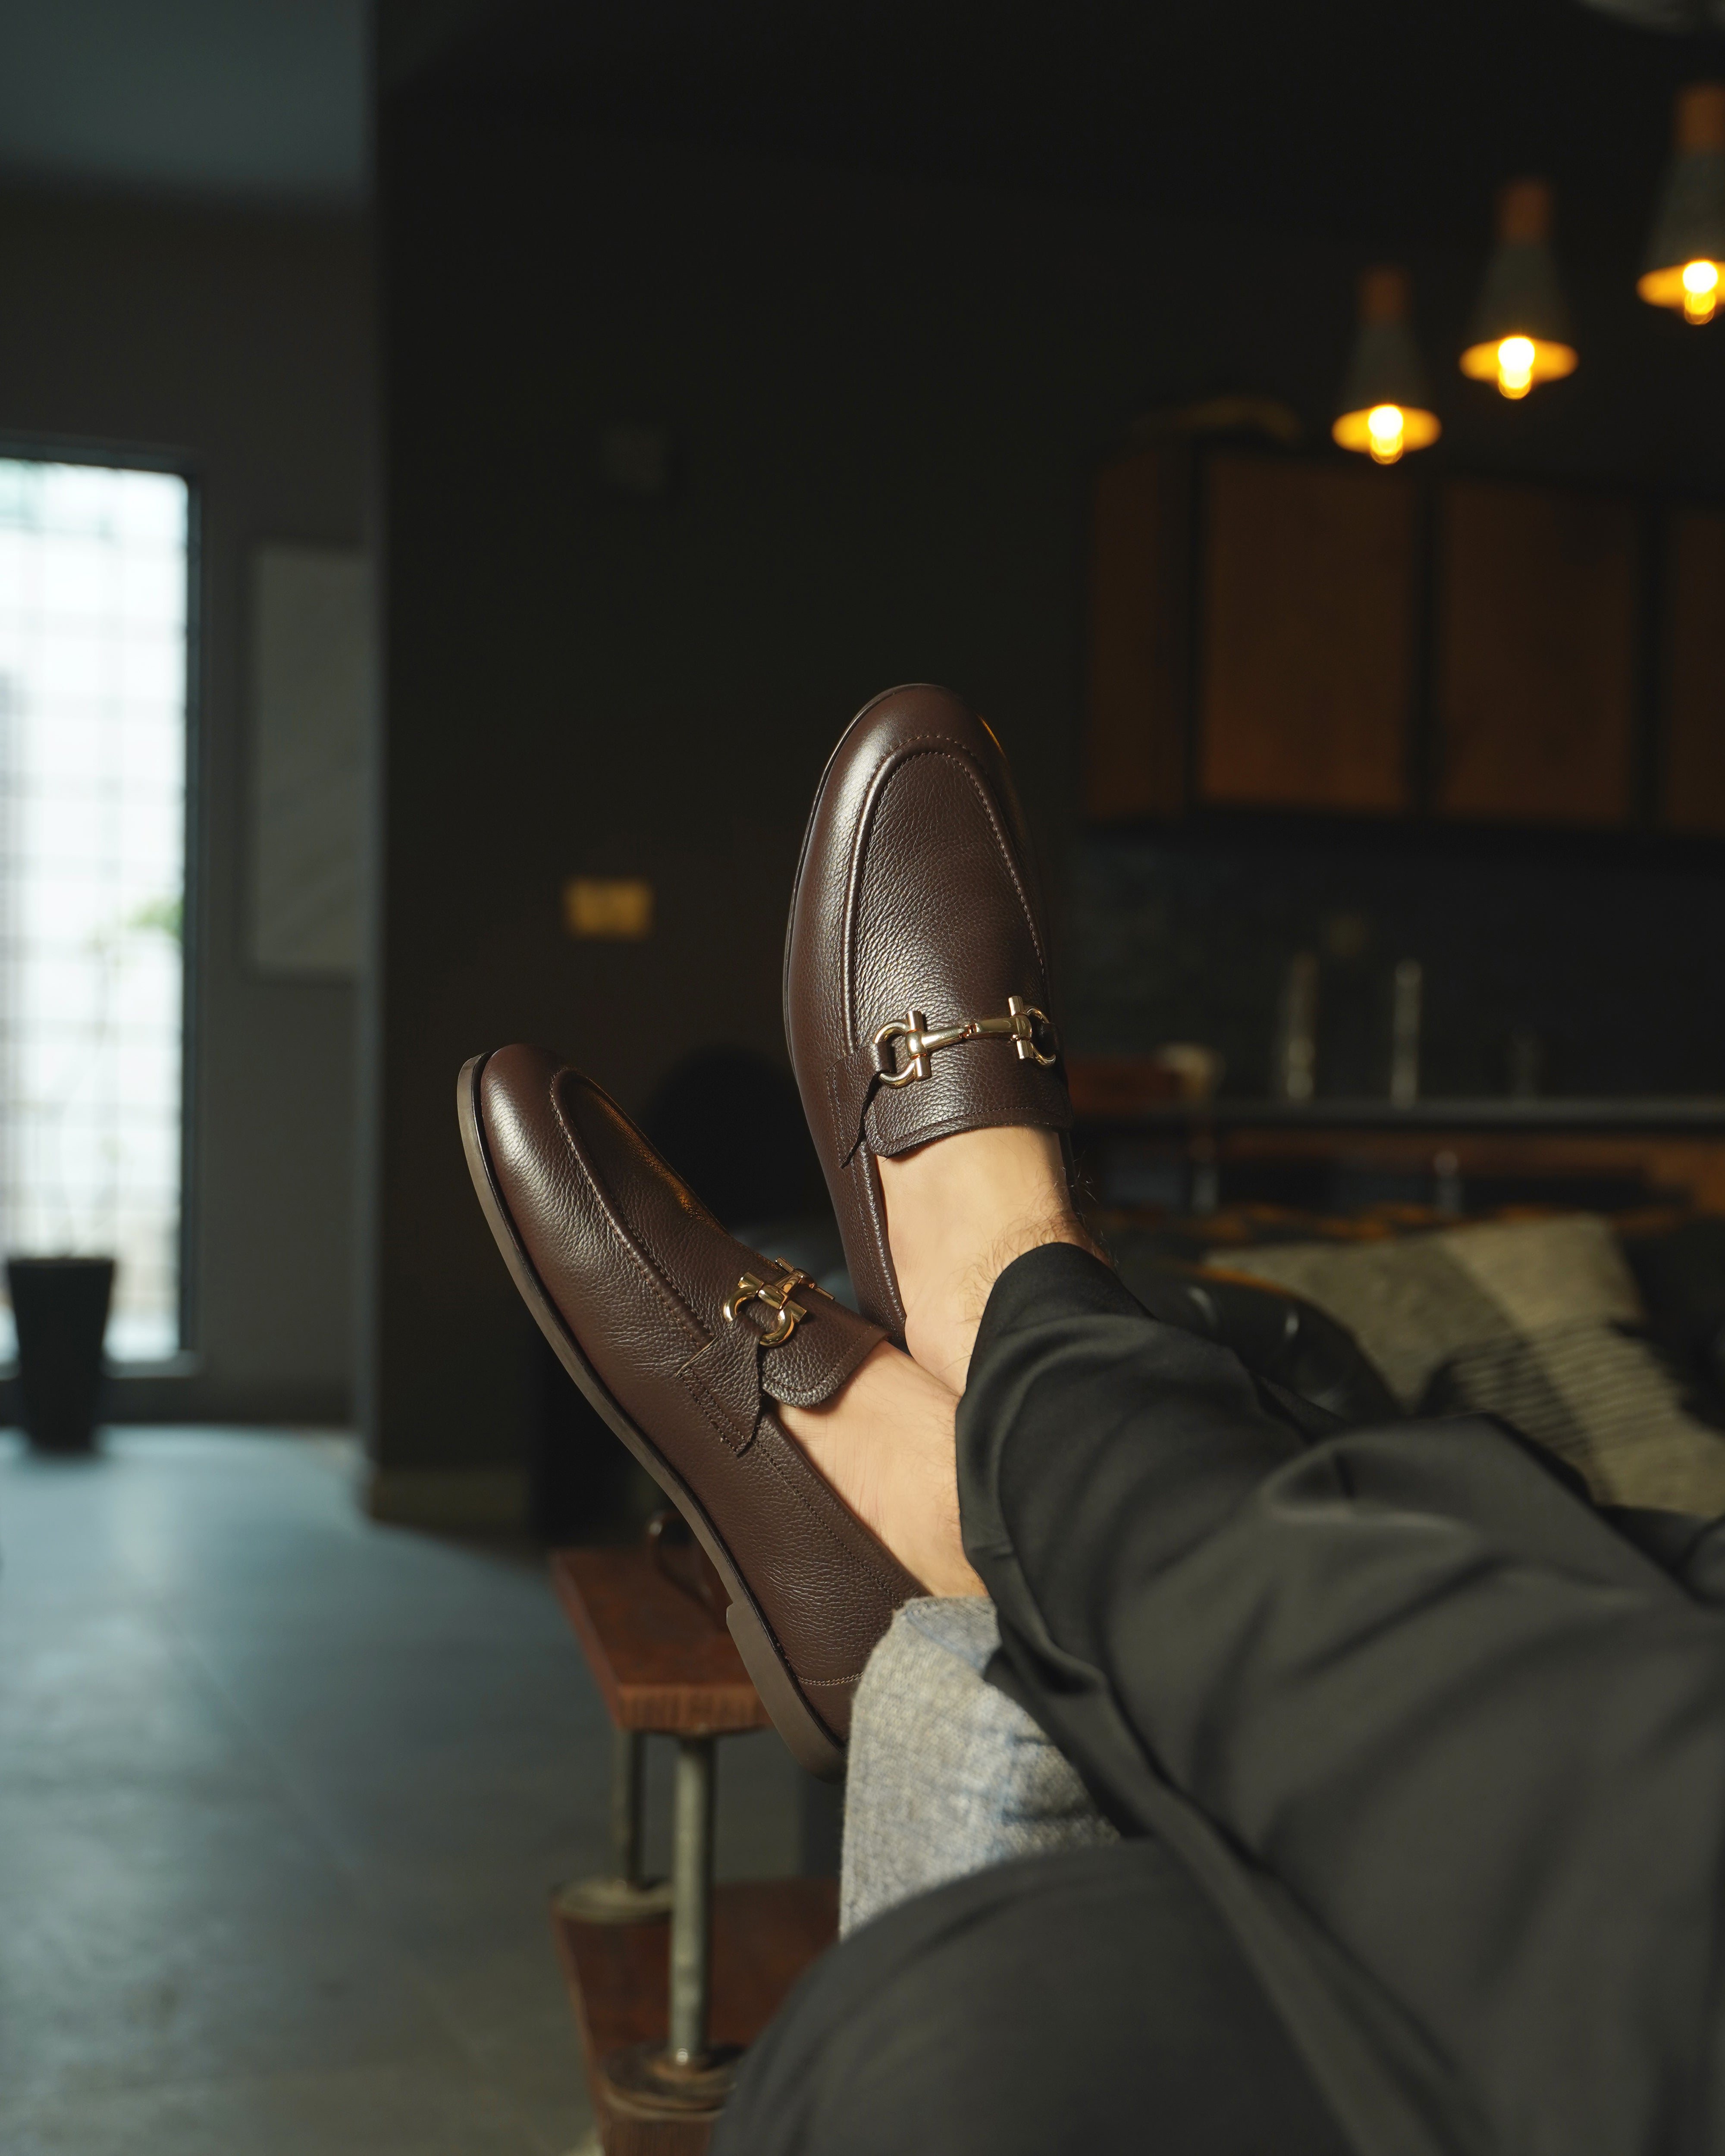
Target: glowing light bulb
pixel 1384 432
pixel 1515 366
pixel 1701 290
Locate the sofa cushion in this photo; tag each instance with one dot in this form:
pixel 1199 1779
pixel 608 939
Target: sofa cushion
pixel 1533 1320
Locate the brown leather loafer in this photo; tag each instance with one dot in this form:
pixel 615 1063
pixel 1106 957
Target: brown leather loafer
pixel 684 1340
pixel 916 971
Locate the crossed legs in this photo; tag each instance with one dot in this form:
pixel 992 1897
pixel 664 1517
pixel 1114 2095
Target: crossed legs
pixel 1443 1744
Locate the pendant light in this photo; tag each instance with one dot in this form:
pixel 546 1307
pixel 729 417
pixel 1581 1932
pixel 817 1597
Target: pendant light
pixel 1521 327
pixel 1686 252
pixel 1386 405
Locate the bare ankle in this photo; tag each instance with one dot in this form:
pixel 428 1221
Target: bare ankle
pixel 971 1293
pixel 885 1443
pixel 959 1211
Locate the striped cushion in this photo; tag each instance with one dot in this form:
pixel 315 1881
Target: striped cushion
pixel 1531 1320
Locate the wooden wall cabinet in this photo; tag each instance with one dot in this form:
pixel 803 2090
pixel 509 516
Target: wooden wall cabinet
pixel 1308 636
pixel 1274 632
pixel 1536 643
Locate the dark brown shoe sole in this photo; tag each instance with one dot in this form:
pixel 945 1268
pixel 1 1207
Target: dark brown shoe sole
pixel 809 1743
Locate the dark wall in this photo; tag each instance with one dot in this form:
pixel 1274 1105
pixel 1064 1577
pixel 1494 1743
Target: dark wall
pixel 887 397
pixel 241 346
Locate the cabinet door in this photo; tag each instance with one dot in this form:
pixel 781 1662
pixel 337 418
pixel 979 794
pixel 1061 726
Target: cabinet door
pixel 1536 633
pixel 1692 788
pixel 1308 636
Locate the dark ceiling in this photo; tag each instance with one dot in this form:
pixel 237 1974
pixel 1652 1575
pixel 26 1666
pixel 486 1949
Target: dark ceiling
pixel 1387 123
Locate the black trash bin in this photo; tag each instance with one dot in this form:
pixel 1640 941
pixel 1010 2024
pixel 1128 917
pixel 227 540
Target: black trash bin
pixel 60 1307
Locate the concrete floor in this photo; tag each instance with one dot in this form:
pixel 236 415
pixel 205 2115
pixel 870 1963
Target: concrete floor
pixel 282 1794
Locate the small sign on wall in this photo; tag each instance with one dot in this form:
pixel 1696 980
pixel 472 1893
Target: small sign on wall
pixel 312 675
pixel 609 909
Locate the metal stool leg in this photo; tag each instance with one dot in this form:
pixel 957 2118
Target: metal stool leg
pixel 622 1897
pixel 692 1944
pixel 689 2072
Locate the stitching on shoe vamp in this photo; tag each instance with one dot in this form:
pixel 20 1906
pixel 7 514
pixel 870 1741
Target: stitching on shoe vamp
pixel 679 1309
pixel 909 753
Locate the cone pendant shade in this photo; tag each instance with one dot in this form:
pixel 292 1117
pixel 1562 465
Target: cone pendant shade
pixel 1520 333
pixel 1385 406
pixel 1685 261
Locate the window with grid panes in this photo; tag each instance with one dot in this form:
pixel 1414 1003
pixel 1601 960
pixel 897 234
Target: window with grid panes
pixel 93 670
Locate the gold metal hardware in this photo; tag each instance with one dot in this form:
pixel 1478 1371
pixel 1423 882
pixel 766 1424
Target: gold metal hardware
pixel 921 1040
pixel 776 1295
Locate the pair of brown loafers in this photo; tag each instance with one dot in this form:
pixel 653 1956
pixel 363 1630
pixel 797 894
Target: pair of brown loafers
pixel 916 997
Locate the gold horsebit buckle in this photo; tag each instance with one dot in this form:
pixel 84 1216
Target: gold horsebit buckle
pixel 776 1297
pixel 921 1040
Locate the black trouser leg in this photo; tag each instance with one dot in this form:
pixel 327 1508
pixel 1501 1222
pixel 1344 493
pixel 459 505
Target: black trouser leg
pixel 1444 1749
pixel 1091 2002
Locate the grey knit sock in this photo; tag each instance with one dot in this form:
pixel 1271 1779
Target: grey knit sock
pixel 947 1775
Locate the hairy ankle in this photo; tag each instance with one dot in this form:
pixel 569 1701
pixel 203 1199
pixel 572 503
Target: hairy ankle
pixel 958 1212
pixel 885 1443
pixel 970 1290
